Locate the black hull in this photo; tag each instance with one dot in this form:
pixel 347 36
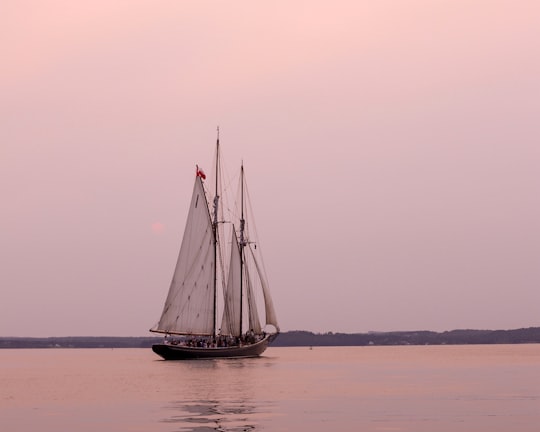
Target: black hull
pixel 180 352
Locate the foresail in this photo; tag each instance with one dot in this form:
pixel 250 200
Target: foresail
pixel 189 308
pixel 231 312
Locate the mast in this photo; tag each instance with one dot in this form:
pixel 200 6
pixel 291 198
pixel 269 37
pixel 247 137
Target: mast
pixel 242 243
pixel 215 231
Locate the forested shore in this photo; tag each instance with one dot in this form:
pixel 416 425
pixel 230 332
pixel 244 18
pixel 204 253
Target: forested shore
pixel 303 338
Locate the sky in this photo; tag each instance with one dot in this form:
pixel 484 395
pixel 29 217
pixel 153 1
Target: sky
pixel 392 150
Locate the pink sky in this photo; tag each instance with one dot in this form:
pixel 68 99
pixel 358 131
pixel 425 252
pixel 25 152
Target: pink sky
pixel 392 148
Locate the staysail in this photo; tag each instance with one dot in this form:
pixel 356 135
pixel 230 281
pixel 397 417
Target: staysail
pixel 231 312
pixel 253 315
pixel 189 308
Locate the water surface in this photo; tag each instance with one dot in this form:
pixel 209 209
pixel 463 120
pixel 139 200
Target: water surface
pixel 486 388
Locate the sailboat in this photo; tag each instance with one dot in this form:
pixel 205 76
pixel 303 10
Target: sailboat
pixel 213 310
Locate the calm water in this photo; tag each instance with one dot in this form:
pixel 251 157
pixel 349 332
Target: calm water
pixel 436 389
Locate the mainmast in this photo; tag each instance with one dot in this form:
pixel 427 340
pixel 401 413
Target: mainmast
pixel 215 231
pixel 242 243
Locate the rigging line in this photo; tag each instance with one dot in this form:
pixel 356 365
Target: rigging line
pixel 251 223
pixel 225 183
pixel 226 204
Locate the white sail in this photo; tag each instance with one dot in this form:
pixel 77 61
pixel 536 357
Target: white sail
pixel 231 312
pixel 189 308
pixel 253 314
pixel 270 312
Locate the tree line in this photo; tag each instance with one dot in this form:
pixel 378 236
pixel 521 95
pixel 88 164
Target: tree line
pixel 304 338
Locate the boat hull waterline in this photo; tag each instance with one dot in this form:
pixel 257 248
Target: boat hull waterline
pixel 181 352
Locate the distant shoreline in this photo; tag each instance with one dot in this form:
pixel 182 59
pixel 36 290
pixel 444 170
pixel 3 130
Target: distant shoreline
pixel 301 338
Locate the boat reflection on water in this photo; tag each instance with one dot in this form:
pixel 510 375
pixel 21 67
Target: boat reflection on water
pixel 220 395
pixel 201 416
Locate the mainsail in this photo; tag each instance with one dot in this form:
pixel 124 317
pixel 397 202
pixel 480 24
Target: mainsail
pixel 270 312
pixel 189 308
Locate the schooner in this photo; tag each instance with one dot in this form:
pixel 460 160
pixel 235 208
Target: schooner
pixel 219 288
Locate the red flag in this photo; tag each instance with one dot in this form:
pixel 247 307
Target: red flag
pixel 200 173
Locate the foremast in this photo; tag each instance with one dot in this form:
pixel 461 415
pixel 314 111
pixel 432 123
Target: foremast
pixel 215 232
